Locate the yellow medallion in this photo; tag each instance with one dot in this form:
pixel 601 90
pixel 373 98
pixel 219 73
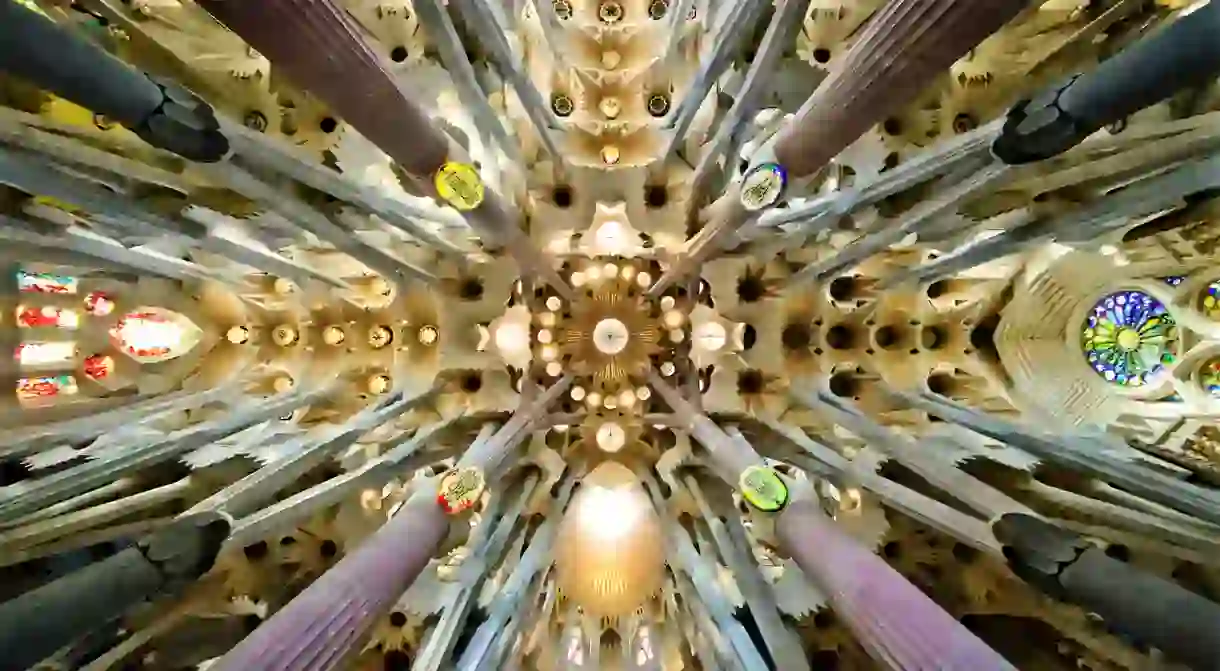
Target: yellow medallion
pixel 459 185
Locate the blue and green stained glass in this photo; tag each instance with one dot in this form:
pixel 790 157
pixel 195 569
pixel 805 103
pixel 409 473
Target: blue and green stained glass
pixel 1209 377
pixel 1129 337
pixel 1173 280
pixel 1211 300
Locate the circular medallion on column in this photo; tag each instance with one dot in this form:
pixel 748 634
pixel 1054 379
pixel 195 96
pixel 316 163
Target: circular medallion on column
pixel 459 185
pixel 763 185
pixel 762 488
pixel 460 489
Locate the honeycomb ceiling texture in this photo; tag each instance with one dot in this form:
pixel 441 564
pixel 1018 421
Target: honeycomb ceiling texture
pixel 759 335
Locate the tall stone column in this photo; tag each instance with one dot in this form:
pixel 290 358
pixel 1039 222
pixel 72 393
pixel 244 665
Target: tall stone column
pixel 321 625
pixel 897 624
pixel 318 45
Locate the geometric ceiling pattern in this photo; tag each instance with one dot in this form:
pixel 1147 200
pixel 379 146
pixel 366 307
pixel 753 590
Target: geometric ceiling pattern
pixel 610 334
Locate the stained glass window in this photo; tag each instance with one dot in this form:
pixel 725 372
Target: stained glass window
pixel 1209 377
pixel 35 389
pixel 45 283
pixel 1211 300
pixel 99 366
pixel 33 354
pixel 1129 337
pixel 42 317
pixel 98 304
pixel 150 335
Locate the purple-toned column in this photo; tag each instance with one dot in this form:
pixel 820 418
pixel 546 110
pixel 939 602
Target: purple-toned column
pixel 904 47
pixel 317 629
pixel 899 626
pixel 892 619
pixel 319 47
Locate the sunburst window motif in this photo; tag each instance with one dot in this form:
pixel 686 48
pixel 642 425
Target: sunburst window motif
pixel 151 335
pixel 1129 337
pixel 610 336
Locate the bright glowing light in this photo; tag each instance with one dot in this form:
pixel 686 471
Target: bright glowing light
pixel 553 303
pixel 577 393
pixel 545 336
pixel 626 398
pixel 594 273
pixel 611 437
pixel 677 335
pixel 643 393
pixel 512 337
pixel 610 336
pixel 668 369
pixel 609 271
pixel 45 353
pixel 578 278
pixel 610 237
pixel 554 368
pixel 711 336
pixel 550 353
pixel 644 279
pixel 594 399
pixel 673 319
pixel 611 513
pixel 547 319
pixel 610 402
pixel 667 303
pixel 627 272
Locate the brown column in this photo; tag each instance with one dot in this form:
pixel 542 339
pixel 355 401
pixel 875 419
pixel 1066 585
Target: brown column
pixel 905 45
pixel 319 46
pixel 897 624
pixel 317 629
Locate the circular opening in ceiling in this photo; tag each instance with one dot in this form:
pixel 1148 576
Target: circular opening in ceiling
pixel 749 337
pixel 658 104
pixel 472 382
pixel 940 383
pixel 750 382
pixel 398 54
pixel 751 289
pixel 843 288
pixel 797 336
pixel 610 11
pixel 398 619
pixel 656 196
pixel 328 124
pixel 933 337
pixel 562 196
pixel 562 105
pixel 844 385
pixel 821 55
pixel 840 337
pixel 657 9
pixel 471 289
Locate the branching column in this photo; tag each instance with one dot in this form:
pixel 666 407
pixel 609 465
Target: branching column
pixel 904 47
pixel 320 48
pixel 317 629
pixel 898 625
